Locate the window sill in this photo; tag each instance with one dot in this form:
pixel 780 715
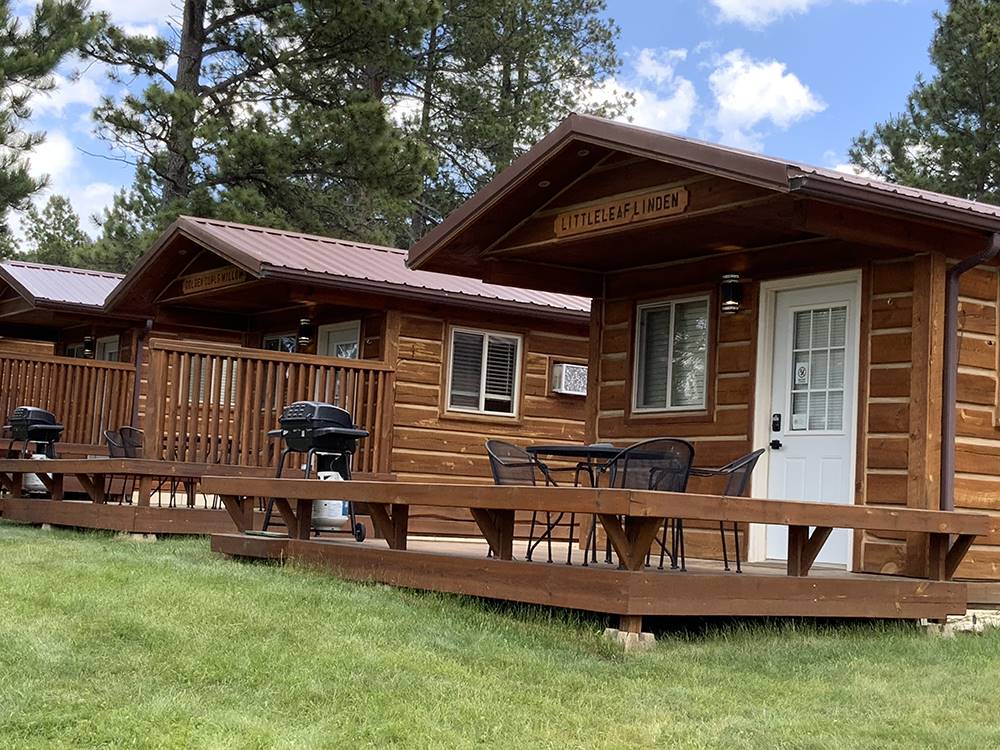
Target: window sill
pixel 471 416
pixel 698 415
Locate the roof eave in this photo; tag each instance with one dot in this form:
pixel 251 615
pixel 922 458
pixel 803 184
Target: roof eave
pixel 833 190
pixel 423 294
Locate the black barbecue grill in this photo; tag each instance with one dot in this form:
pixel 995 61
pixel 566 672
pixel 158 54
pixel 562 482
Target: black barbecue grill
pixel 31 424
pixel 323 432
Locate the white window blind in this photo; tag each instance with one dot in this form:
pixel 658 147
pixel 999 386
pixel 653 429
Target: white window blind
pixel 484 372
pixel 672 355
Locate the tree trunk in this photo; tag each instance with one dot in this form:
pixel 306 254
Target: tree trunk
pixel 180 140
pixel 417 219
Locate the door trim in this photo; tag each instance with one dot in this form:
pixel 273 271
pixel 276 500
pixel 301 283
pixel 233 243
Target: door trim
pixel 767 303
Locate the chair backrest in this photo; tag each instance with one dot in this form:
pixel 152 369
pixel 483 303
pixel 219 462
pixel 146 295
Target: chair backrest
pixel 659 464
pixel 510 464
pixel 114 442
pixel 132 441
pixel 738 473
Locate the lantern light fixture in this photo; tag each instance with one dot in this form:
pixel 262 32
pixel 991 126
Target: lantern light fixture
pixel 88 347
pixel 731 293
pixel 305 335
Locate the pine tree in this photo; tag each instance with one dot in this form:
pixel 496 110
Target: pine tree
pixel 30 50
pixel 275 111
pixel 494 77
pixel 54 235
pixel 948 139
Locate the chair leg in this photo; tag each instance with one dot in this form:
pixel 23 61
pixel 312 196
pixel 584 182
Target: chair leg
pixel 569 543
pixel 680 538
pixel 663 543
pixel 736 539
pixel 531 536
pixel 725 557
pixel 548 524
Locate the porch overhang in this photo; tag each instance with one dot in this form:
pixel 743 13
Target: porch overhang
pixel 566 215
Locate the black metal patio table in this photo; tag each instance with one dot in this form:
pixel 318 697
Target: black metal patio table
pixel 591 456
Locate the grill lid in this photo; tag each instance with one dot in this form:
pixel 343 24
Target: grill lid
pixel 315 414
pixel 31 415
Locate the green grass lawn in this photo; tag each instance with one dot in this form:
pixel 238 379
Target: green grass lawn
pixel 108 642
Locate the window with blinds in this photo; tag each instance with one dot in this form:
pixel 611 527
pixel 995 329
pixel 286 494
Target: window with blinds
pixel 483 372
pixel 671 364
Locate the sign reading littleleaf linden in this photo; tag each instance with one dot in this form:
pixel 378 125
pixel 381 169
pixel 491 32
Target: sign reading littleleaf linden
pixel 654 204
pixel 214 279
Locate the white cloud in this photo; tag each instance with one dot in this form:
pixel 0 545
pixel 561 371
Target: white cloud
pixel 759 13
pixel 749 93
pixel 663 99
pixel 83 90
pixel 156 12
pixel 145 29
pixel 658 65
pixel 55 157
pixel 59 159
pixel 756 14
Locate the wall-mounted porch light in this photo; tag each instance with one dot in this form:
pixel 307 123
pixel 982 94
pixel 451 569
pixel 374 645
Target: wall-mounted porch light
pixel 88 347
pixel 731 293
pixel 305 335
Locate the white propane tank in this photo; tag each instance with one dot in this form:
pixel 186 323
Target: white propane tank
pixel 329 515
pixel 31 484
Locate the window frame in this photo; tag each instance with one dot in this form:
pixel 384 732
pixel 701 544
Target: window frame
pixel 101 348
pixel 518 370
pixel 709 299
pixel 277 337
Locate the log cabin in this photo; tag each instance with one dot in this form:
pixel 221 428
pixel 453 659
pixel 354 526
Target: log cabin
pixel 847 326
pixel 219 325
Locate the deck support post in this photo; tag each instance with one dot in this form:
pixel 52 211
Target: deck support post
pixel 498 529
pixel 803 548
pixel 391 522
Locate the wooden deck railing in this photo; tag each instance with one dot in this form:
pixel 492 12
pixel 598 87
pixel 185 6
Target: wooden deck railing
pixel 88 397
pixel 215 404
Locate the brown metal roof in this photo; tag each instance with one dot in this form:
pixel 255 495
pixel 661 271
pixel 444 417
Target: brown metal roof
pixel 42 284
pixel 777 174
pixel 274 253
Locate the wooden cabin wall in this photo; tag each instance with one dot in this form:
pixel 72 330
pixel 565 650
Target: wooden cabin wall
pixel 901 456
pixel 977 459
pixel 886 388
pixel 24 346
pixel 720 434
pixel 431 444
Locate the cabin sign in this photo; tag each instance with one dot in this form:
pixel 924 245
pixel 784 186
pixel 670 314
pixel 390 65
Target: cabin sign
pixel 214 279
pixel 653 204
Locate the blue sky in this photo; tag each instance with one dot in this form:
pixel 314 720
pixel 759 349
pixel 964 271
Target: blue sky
pixel 792 78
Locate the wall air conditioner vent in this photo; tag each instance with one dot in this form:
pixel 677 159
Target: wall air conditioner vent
pixel 569 379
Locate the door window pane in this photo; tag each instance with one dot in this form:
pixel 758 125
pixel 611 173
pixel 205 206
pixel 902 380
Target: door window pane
pixel 819 343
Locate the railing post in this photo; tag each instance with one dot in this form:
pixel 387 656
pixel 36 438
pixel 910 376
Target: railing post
pixel 156 390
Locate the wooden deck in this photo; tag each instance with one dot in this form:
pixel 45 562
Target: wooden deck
pixel 762 590
pixel 631 519
pixel 102 481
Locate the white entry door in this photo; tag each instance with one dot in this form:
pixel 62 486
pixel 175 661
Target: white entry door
pixel 813 392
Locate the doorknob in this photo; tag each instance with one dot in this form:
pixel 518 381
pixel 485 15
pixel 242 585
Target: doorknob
pixel 775 444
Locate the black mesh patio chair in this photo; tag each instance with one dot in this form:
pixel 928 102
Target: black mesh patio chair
pixel 662 464
pixel 116 449
pixel 737 475
pixel 512 465
pixel 132 441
